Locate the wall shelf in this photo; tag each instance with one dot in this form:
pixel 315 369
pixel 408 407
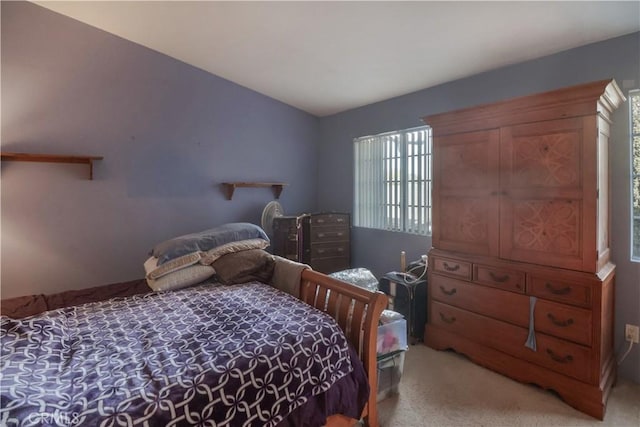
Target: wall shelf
pixel 231 186
pixel 51 158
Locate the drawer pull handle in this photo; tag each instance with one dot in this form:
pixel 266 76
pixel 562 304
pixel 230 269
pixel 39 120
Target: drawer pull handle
pixel 320 251
pixel 558 291
pixel 339 234
pixel 320 221
pixel 320 235
pixel 446 319
pixel 561 323
pixel 499 279
pixel 449 268
pixel 340 249
pixel 566 359
pixel 446 292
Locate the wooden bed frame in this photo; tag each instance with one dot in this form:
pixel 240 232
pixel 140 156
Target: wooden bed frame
pixel 357 311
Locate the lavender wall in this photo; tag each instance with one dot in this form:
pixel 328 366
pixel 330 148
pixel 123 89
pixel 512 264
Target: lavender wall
pixel 169 134
pixel 379 251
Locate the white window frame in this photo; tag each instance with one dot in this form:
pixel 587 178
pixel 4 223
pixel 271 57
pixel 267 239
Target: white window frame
pixel 392 181
pixel 635 175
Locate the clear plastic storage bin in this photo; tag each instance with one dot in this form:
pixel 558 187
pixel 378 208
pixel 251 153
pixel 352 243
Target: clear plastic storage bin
pixel 389 374
pixel 358 276
pixel 392 337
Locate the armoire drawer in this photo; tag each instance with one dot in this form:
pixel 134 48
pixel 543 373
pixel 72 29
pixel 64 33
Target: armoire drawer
pixel 557 290
pixel 558 355
pixel 499 278
pixel 562 321
pixel 509 306
pixel 452 267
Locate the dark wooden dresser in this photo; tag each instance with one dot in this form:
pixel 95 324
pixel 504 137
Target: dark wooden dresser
pixel 326 241
pixel 322 240
pixel 520 278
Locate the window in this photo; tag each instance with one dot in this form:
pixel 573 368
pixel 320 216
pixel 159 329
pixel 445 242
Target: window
pixel 393 181
pixel 634 101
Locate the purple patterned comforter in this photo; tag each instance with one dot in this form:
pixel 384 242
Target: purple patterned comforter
pixel 240 355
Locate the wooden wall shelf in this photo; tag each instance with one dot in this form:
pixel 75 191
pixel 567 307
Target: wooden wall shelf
pixel 51 158
pixel 231 186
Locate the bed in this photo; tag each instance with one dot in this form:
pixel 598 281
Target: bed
pixel 181 357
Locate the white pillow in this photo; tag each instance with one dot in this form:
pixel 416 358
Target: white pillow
pixel 178 279
pixel 153 271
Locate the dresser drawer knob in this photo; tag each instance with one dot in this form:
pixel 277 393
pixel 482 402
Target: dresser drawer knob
pixel 446 319
pixel 499 279
pixel 446 292
pixel 561 323
pixel 450 268
pixel 320 235
pixel 566 359
pixel 558 291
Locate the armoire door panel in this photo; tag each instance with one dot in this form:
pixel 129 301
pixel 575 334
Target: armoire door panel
pixel 465 222
pixel 468 161
pixel 547 155
pixel 542 193
pixel 542 231
pixel 465 204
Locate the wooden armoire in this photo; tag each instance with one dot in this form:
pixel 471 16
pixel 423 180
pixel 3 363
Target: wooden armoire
pixel 520 278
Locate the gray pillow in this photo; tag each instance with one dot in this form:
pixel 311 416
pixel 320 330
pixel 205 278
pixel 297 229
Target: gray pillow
pixel 206 240
pixel 244 266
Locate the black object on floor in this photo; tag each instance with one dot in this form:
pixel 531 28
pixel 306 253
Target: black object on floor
pixel 408 296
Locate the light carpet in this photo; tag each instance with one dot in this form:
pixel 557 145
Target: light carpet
pixel 442 388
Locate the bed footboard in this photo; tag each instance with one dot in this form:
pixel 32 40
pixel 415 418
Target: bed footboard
pixel 357 311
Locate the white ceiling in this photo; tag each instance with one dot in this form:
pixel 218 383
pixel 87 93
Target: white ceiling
pixel 327 57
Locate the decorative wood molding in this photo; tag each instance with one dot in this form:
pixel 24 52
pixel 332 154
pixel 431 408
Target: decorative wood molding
pixel 231 186
pixel 51 158
pixel 598 97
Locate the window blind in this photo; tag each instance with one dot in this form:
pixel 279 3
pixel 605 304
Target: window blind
pixel 392 181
